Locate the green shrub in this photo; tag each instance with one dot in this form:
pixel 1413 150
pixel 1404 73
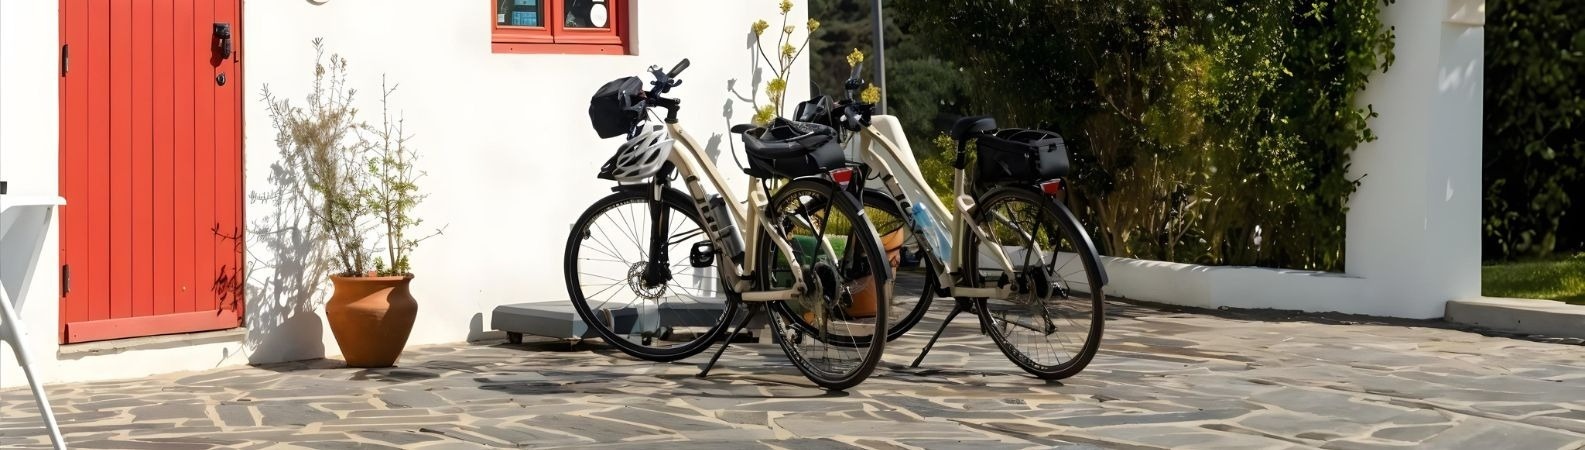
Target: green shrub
pixel 1214 132
pixel 1534 141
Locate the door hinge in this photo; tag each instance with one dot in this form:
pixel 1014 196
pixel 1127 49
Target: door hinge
pixel 66 59
pixel 66 279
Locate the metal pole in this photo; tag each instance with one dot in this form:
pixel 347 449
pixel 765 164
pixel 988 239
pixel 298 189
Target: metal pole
pixel 880 52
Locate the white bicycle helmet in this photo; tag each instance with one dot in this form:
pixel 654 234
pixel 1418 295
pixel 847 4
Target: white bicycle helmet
pixel 640 157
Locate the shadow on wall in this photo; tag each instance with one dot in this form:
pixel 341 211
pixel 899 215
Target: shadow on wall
pixel 728 110
pixel 476 331
pixel 287 273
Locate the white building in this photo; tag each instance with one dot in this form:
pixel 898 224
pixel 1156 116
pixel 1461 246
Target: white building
pixel 120 109
pixel 499 114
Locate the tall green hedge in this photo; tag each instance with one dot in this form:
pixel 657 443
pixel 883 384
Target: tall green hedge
pixel 1534 144
pixel 1204 131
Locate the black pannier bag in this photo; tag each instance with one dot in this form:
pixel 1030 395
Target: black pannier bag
pixel 1021 155
pixel 790 149
pixel 611 109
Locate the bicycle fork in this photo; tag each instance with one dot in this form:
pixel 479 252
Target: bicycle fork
pixel 658 271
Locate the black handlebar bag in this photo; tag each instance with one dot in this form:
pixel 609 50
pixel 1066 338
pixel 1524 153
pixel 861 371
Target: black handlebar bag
pixel 613 108
pixel 1021 155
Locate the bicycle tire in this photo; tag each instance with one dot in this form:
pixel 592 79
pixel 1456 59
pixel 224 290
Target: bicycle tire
pixel 1056 218
pixel 877 201
pixel 789 321
pixel 679 203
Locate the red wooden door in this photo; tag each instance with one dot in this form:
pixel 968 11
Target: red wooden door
pixel 151 166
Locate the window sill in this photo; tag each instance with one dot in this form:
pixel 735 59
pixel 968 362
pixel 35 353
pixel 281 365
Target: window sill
pixel 565 49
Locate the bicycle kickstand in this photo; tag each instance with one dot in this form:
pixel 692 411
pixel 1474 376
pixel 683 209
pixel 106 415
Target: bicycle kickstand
pixel 958 307
pixel 748 315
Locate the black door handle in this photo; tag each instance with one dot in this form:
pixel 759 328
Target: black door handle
pixel 223 35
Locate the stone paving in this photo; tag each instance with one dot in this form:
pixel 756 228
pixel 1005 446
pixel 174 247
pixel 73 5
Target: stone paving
pixel 1164 379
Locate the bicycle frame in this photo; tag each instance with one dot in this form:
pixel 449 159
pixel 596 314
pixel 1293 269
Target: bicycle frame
pixel 881 154
pixel 690 161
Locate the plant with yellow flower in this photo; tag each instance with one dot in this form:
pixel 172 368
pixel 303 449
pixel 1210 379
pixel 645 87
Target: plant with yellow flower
pixel 781 68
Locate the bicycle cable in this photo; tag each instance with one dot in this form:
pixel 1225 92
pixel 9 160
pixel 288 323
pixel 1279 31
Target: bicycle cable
pixel 732 147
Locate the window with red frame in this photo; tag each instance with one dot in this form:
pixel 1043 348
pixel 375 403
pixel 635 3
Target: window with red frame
pixel 560 26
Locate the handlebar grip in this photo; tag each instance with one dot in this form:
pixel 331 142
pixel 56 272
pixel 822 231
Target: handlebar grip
pixel 856 69
pixel 677 70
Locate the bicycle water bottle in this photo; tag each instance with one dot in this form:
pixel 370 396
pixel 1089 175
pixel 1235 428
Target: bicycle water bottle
pixel 939 241
pixel 720 222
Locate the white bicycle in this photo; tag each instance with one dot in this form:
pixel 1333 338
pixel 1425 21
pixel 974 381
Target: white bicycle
pixel 1006 248
pixel 808 256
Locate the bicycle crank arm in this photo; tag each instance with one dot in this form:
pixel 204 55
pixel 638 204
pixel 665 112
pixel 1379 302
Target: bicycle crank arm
pixel 771 296
pixel 984 292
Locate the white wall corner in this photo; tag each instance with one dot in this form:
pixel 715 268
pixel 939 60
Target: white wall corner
pixel 1466 12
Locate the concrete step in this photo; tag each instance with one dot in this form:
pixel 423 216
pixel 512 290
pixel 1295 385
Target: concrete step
pixel 558 319
pixel 1522 316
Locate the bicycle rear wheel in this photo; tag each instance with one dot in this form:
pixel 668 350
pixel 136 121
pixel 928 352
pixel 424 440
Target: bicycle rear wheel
pixel 1052 325
pixel 834 332
pixel 914 281
pixel 607 253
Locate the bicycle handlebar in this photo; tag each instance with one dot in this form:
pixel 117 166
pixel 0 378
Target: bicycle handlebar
pixel 677 70
pixel 664 81
pixel 856 115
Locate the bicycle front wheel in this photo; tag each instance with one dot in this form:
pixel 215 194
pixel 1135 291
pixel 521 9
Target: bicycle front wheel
pixel 665 319
pixel 835 331
pixel 1051 326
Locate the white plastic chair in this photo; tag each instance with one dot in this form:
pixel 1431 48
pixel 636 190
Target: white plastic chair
pixel 14 210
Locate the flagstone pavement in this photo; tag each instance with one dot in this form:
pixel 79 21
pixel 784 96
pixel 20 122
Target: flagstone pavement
pixel 1164 379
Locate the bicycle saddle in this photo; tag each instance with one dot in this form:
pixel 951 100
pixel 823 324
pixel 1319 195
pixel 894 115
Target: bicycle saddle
pixel 968 127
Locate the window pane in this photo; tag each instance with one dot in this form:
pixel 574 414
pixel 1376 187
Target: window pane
pixel 519 13
pixel 588 13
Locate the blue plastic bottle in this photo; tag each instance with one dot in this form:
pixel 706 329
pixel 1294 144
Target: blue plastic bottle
pixel 934 232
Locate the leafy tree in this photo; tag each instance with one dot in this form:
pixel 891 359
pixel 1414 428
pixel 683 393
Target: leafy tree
pixel 924 91
pixel 1534 143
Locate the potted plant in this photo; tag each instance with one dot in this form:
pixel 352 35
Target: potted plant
pixel 360 182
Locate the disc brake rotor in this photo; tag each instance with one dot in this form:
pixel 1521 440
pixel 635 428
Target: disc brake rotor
pixel 635 282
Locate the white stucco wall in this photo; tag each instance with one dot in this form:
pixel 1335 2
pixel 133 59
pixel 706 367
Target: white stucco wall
pixel 505 140
pixel 29 136
pixel 1414 225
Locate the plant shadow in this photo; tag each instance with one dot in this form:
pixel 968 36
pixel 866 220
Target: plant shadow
pixel 287 269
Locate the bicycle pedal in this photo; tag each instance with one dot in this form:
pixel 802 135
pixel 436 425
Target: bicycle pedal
pixel 702 255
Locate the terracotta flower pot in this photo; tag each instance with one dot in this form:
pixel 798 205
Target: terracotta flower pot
pixel 371 318
pixel 864 302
